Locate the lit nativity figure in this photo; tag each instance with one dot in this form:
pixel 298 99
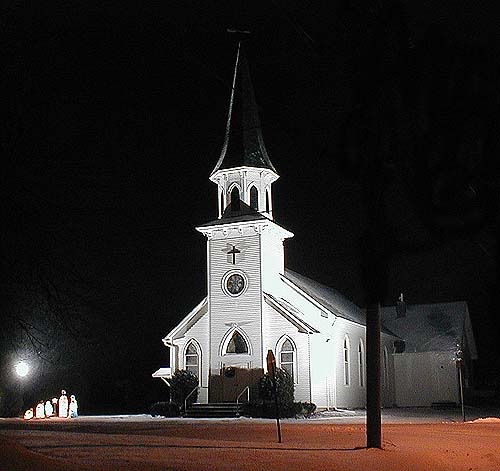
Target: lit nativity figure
pixel 40 410
pixel 28 414
pixel 73 407
pixel 63 404
pixel 54 406
pixel 49 410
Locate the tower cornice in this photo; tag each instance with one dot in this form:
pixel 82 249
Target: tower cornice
pixel 243 229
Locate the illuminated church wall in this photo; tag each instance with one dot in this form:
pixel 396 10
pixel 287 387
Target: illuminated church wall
pixel 273 263
pixel 243 310
pixel 275 327
pixel 199 333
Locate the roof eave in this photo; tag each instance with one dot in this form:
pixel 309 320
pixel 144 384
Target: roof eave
pixel 217 174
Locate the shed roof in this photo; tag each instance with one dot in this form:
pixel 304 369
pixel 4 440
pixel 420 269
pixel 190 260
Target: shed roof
pixel 432 327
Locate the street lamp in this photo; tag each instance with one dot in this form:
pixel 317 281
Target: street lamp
pixel 22 369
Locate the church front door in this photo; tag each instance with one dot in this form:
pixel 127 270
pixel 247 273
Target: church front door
pixel 232 381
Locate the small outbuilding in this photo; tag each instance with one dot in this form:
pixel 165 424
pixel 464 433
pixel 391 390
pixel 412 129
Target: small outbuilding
pixel 437 339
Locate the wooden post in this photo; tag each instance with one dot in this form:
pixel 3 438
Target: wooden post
pixel 271 369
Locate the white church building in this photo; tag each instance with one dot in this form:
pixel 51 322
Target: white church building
pixel 255 304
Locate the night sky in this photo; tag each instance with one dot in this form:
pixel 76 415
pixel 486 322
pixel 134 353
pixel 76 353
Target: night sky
pixel 115 116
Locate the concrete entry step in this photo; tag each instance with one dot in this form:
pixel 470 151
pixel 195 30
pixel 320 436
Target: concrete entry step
pixel 215 410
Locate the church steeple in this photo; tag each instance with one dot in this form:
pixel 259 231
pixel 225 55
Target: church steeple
pixel 243 142
pixel 244 170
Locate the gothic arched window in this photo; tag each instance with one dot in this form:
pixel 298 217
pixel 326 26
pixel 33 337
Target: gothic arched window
pixel 235 199
pixel 254 198
pixel 347 354
pixel 361 363
pixel 192 359
pixel 287 357
pixel 237 344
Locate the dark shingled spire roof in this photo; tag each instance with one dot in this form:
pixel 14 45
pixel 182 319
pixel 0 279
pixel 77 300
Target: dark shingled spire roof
pixel 243 143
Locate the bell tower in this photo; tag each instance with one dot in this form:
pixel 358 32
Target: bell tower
pixel 245 253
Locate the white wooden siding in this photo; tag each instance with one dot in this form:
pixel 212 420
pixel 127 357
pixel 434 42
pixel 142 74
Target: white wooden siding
pixel 424 378
pixel 351 395
pixel 274 327
pixel 243 310
pixel 198 332
pixel 322 370
pixel 272 260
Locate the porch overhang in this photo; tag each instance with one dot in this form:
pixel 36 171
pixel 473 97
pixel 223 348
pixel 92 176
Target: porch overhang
pixel 164 374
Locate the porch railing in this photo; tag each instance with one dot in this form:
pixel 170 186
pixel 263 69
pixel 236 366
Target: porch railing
pixel 197 388
pixel 247 390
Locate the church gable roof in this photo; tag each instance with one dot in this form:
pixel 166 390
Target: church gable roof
pixel 431 327
pixel 194 316
pixel 327 297
pixel 243 141
pixel 290 313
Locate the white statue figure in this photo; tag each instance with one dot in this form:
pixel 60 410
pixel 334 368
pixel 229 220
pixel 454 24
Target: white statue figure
pixel 63 404
pixel 73 407
pixel 40 410
pixel 28 414
pixel 49 410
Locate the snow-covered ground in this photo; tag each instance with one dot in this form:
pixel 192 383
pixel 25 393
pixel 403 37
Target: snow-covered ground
pixel 433 440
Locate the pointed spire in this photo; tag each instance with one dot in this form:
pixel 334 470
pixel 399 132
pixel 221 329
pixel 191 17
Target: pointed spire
pixel 243 142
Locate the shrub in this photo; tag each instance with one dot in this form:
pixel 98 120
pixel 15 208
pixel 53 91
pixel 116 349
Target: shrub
pixel 304 409
pixel 285 390
pixel 164 409
pixel 252 409
pixel 181 384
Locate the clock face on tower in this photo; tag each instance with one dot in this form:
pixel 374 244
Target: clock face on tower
pixel 234 283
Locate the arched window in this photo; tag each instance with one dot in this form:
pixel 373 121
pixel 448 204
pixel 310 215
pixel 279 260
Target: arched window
pixel 386 367
pixel 235 199
pixel 237 344
pixel 287 357
pixel 347 354
pixel 361 363
pixel 254 198
pixel 268 202
pixel 192 359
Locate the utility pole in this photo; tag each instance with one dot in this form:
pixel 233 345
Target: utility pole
pixel 373 392
pixel 374 253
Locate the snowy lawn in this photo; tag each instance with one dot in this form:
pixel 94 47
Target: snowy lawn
pixel 143 443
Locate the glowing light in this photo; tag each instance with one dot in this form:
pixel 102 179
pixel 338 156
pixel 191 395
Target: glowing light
pixel 22 369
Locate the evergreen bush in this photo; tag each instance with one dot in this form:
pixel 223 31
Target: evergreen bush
pixel 164 409
pixel 181 384
pixel 285 390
